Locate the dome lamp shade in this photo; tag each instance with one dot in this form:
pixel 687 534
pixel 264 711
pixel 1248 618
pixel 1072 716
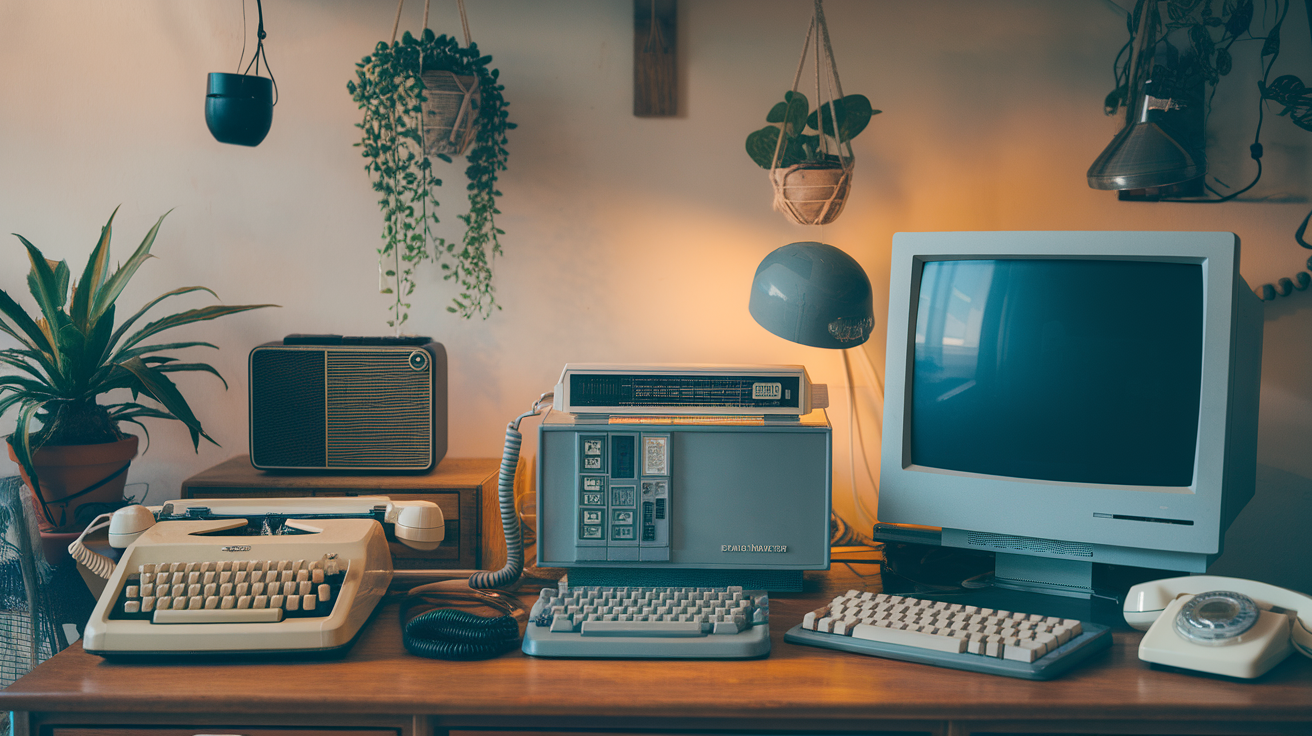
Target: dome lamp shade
pixel 813 294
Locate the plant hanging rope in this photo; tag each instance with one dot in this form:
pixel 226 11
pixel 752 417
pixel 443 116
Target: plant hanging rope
pixel 808 194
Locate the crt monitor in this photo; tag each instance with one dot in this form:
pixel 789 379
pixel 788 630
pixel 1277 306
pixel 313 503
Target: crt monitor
pixel 1069 398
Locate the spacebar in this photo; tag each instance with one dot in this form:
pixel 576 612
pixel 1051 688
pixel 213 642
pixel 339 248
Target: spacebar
pixel 641 628
pixel 218 616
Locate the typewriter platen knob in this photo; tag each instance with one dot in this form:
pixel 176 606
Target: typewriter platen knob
pixel 421 525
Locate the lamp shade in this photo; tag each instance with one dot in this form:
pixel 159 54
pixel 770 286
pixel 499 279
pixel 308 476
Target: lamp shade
pixel 1144 155
pixel 813 294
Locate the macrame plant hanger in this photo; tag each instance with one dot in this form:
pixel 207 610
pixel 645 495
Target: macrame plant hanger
pixel 806 193
pixel 449 116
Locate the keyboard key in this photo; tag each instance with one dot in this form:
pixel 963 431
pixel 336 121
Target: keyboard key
pixel 218 616
pixel 642 628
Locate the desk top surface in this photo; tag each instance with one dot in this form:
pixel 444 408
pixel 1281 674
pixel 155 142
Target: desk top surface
pixel 795 684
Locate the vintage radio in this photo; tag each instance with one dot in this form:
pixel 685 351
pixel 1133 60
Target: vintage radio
pixel 328 402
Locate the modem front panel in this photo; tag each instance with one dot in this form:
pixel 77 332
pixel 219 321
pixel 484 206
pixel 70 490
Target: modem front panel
pixel 662 495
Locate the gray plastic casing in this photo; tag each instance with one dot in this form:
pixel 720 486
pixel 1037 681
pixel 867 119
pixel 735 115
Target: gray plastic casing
pixel 1177 528
pixel 739 497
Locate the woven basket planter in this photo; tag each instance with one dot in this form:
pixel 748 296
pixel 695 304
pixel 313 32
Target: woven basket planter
pixel 811 195
pixel 450 112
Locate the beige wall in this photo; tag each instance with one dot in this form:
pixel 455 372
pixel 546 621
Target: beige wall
pixel 627 239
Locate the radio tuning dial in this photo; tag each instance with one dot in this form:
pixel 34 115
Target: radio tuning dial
pixel 418 360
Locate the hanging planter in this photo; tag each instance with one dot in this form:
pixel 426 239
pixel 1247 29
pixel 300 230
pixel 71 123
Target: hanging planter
pixel 811 173
pixel 239 107
pixel 425 100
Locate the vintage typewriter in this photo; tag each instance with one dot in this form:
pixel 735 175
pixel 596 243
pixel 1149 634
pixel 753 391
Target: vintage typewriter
pixel 298 575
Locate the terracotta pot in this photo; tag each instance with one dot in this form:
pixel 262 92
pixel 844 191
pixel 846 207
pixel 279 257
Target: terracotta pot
pixel 66 471
pixel 811 195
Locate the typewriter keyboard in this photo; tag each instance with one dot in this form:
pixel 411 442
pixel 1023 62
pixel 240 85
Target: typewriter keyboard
pixel 231 591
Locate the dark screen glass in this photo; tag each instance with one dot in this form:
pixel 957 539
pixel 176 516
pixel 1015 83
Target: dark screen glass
pixel 621 456
pixel 1060 370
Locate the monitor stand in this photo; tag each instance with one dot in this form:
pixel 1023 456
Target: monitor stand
pixel 1068 589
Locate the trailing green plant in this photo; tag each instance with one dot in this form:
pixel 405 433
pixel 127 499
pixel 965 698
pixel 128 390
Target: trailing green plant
pixel 71 352
pixel 793 118
pixel 388 89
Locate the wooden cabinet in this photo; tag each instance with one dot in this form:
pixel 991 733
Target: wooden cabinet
pixel 464 488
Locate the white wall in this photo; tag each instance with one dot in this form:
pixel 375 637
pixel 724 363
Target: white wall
pixel 628 239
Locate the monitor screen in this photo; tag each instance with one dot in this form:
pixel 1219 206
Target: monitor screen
pixel 1081 371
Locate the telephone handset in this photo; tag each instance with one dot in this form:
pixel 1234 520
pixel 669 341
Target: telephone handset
pixel 1225 626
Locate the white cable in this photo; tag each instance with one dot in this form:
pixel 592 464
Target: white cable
pixel 865 518
pixel 97 563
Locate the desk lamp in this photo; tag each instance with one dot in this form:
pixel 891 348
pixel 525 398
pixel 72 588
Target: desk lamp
pixel 813 294
pixel 1146 153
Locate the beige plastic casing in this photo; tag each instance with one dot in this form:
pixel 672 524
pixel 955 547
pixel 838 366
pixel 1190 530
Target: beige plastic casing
pixel 1284 624
pixel 360 546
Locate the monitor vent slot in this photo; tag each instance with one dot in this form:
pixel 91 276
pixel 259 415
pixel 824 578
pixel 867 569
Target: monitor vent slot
pixel 1028 544
pixel 378 410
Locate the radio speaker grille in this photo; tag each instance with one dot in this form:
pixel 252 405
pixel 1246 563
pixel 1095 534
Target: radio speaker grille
pixel 1028 544
pixel 287 408
pixel 379 410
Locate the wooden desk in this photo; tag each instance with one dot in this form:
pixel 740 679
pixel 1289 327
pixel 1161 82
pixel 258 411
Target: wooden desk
pixel 379 690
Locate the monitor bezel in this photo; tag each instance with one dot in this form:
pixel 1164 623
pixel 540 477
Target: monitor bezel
pixel 1064 510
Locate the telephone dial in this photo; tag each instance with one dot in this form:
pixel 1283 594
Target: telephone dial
pixel 1224 626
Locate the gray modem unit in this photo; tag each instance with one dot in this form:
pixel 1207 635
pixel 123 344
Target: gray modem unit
pixel 684 500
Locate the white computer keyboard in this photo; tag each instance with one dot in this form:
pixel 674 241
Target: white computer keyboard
pixel 192 587
pixel 1011 643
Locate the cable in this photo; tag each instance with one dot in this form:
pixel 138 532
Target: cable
pixel 447 633
pixel 506 497
pixel 98 564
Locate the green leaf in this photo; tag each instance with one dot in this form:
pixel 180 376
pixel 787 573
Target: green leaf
pixel 44 285
pixel 21 441
pixel 761 145
pixel 92 276
pixel 127 324
pixel 185 318
pixel 1271 46
pixel 1240 19
pixel 35 338
pixel 853 112
pixel 791 113
pixel 113 286
pixel 155 384
pixel 192 367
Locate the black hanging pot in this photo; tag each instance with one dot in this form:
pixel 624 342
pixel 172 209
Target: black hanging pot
pixel 239 108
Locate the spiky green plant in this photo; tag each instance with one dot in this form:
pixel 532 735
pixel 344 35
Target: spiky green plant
pixel 72 353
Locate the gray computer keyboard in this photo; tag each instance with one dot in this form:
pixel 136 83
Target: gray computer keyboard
pixel 1008 643
pixel 656 622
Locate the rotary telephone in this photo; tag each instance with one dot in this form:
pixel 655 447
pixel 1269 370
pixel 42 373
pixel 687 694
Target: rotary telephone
pixel 1225 626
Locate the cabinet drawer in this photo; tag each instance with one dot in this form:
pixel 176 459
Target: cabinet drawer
pixel 219 731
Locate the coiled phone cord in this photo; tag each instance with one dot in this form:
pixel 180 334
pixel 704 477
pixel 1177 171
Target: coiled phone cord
pixel 1301 280
pixel 454 634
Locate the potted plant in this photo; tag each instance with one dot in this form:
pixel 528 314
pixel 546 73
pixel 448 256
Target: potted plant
pixel 811 177
pixel 390 88
pixel 69 354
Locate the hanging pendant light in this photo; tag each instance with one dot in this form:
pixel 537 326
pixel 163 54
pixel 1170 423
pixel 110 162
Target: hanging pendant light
pixel 1148 152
